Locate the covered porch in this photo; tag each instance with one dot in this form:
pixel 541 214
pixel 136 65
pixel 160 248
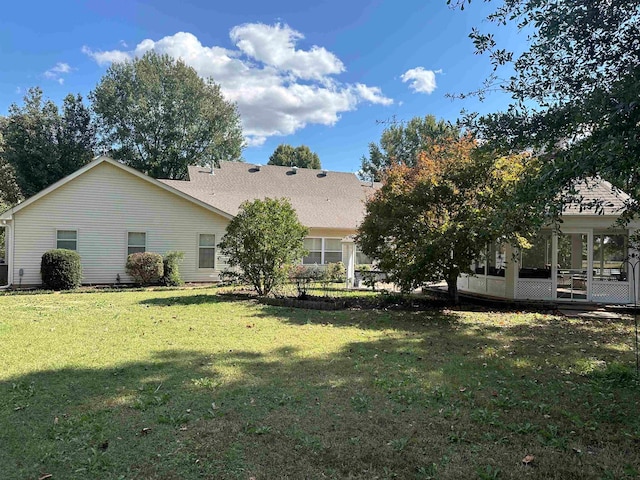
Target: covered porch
pixel 576 264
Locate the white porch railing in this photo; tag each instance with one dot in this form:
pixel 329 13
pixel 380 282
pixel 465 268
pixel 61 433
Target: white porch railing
pixel 534 289
pixel 494 286
pixel 611 292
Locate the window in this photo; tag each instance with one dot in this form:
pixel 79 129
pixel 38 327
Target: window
pixel 496 260
pixel 206 250
pixel 136 242
pixel 322 251
pixel 67 239
pixel 535 262
pixel 332 250
pixel 609 257
pixel 314 245
pixel 361 258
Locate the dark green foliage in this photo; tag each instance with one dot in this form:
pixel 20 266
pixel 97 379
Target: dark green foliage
pixel 288 156
pixel 263 240
pixel 61 269
pixel 171 276
pixel 145 268
pixel 158 115
pixel 574 92
pixel 43 145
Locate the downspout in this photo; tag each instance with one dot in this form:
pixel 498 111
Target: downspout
pixel 13 250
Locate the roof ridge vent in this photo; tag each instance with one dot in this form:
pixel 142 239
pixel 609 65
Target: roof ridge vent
pixel 257 166
pixel 294 169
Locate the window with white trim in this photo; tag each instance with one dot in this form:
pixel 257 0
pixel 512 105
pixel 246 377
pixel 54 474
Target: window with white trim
pixel 361 258
pixel 136 242
pixel 206 250
pixel 322 251
pixel 314 246
pixel 67 239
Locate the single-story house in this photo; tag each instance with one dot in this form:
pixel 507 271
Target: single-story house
pixel 107 210
pixel 583 259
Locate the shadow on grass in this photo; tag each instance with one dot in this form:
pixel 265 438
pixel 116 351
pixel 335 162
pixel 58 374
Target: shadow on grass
pixel 446 396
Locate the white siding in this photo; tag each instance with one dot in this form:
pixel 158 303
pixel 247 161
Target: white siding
pixel 103 204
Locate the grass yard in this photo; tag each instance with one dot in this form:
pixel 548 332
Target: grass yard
pixel 186 384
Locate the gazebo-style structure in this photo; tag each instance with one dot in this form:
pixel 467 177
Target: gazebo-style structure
pixel 583 259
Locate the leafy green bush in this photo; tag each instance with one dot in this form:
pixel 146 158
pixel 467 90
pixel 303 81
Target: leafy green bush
pixel 263 240
pixel 61 269
pixel 171 276
pixel 145 268
pixel 336 272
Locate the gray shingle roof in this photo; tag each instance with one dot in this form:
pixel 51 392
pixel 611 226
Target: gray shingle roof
pixel 331 200
pixel 595 196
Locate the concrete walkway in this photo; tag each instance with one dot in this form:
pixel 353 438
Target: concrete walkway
pixel 574 311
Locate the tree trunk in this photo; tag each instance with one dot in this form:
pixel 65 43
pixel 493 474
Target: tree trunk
pixel 452 288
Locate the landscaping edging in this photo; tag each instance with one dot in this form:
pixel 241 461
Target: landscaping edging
pixel 306 304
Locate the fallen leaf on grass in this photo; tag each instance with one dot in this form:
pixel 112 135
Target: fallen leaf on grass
pixel 46 476
pixel 528 459
pixel 145 431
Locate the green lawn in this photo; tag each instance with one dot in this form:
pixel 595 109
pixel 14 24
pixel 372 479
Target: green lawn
pixel 186 384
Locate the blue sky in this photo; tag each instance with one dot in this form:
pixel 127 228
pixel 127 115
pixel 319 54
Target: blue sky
pixel 321 73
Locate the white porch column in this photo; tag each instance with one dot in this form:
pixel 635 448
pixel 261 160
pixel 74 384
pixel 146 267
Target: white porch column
pixel 510 272
pixel 349 257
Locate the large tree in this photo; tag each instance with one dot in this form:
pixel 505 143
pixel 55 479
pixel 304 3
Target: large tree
pixel 263 241
pixel 44 145
pixel 429 221
pixel 574 89
pixel 157 115
pixel 401 143
pixel 288 156
pixel 9 191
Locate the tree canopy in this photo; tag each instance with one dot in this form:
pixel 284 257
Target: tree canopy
pixel 430 221
pixel 288 156
pixel 42 144
pixel 402 143
pixel 574 89
pixel 263 240
pixel 157 115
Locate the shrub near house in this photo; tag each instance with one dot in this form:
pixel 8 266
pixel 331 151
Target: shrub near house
pixel 61 269
pixel 145 268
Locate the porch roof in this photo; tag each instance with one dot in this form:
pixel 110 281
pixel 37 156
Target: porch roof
pixel 595 196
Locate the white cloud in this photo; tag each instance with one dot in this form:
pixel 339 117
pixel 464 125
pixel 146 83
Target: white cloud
pixel 276 46
pixel 56 72
pixel 105 58
pixel 278 88
pixel 372 94
pixel 421 80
